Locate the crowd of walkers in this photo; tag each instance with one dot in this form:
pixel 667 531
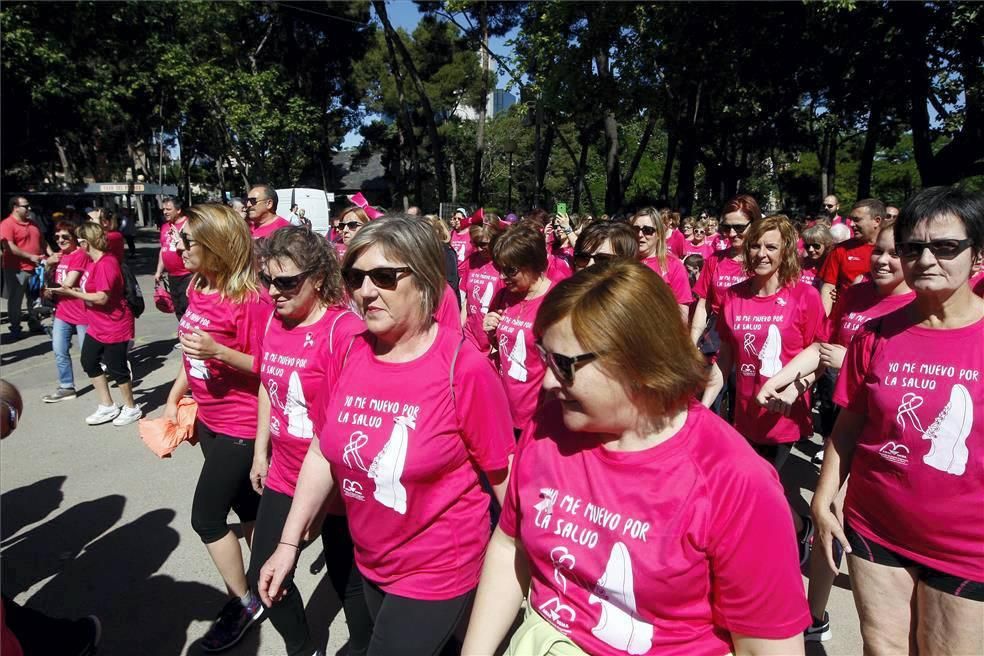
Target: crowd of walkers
pixel 574 427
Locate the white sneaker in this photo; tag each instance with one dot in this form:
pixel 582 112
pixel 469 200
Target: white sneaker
pixel 127 416
pixel 103 414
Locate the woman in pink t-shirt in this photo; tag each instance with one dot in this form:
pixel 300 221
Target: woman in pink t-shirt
pixel 310 325
pixel 480 281
pixel 520 257
pixel 459 235
pixel 350 221
pixel 605 241
pixel 218 334
pixel 70 316
pixel 109 328
pixel 635 520
pixel 817 241
pixel 910 435
pixel 651 236
pixel 697 241
pixel 416 415
pixel 764 323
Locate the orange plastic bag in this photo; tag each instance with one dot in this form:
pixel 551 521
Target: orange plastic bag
pixel 163 436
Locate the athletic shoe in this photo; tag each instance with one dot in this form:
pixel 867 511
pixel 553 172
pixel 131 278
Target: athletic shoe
pixel 127 416
pixel 817 458
pixel 61 394
pixel 103 414
pixel 805 540
pixel 231 624
pixel 819 631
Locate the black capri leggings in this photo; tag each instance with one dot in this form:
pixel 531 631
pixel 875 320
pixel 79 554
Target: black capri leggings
pixel 113 356
pixel 413 627
pixel 287 615
pixel 223 484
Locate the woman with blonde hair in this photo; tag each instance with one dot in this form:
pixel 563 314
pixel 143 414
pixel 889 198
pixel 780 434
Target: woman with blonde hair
pixel 635 520
pixel 350 221
pixel 219 335
pixel 480 281
pixel 651 232
pixel 817 242
pixel 764 323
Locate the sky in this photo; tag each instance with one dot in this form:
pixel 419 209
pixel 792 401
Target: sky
pixel 404 13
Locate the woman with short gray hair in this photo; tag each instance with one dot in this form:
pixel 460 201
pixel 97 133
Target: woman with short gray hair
pixel 415 414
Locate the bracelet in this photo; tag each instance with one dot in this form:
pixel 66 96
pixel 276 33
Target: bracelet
pixel 290 545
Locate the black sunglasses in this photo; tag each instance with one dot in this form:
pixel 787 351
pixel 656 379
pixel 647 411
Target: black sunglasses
pixel 942 249
pixel 26 207
pixel 186 240
pixel 509 272
pixel 351 225
pixel 253 201
pixel 284 283
pixel 582 260
pixel 829 207
pixel 480 244
pixel 382 277
pixel 649 231
pixel 63 236
pixel 564 366
pixel 811 247
pixel 726 228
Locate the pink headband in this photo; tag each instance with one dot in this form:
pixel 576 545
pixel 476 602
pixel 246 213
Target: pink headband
pixel 361 202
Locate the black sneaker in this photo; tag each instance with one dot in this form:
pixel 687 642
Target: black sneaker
pixel 231 624
pixel 805 540
pixel 819 631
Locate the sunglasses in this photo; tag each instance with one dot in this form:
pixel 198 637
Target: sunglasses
pixel 649 231
pixel 26 207
pixel 812 247
pixel 829 207
pixel 283 283
pixel 564 366
pixel 698 231
pixel 63 237
pixel 186 240
pixel 382 277
pixel 942 249
pixel 728 228
pixel 351 225
pixel 253 201
pixel 480 244
pixel 509 272
pixel 582 260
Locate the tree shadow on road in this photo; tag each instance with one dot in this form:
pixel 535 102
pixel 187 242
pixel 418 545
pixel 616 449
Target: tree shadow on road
pixel 23 349
pixel 26 505
pixel 148 358
pixel 151 398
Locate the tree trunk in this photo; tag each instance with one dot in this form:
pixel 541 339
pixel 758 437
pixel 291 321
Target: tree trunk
pixel 425 104
pixel 480 131
pixel 408 141
pixel 67 169
pixel 647 134
pixel 686 176
pixel 870 146
pixel 582 163
pixel 613 172
pixel 544 155
pixel 537 143
pixel 831 163
pixel 671 148
pixel 454 184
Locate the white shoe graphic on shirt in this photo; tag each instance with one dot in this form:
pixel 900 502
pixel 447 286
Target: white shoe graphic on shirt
pixel 618 625
pixel 517 358
pixel 197 369
pixel 771 351
pixel 387 467
pixel 298 422
pixel 486 299
pixel 949 433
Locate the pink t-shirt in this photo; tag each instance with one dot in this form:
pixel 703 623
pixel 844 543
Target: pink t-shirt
pixel 705 249
pixel 262 231
pixel 520 365
pixel 295 370
pixel 719 273
pixel 810 272
pixel 765 333
pixel 71 310
pixel 115 245
pixel 720 243
pixel 676 243
pixel 461 243
pixel 340 248
pixel 112 322
pixel 405 454
pixel 170 241
pixel 558 267
pixel 480 284
pixel 662 551
pixel 448 313
pixel 226 396
pixel 675 276
pixel 855 306
pixel 918 468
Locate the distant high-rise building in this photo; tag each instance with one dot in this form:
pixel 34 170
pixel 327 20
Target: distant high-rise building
pixel 499 101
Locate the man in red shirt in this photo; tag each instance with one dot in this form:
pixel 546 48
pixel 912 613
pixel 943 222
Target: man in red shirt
pixel 848 263
pixel 23 249
pixel 169 260
pixel 261 211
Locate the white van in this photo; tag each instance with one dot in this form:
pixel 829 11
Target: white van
pixel 316 204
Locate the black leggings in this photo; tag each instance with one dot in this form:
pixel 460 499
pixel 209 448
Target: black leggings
pixel 223 484
pixel 113 356
pixel 287 615
pixel 412 627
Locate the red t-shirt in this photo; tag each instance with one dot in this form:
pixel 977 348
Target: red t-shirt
pixel 705 249
pixel 226 396
pixel 846 263
pixel 112 322
pixel 858 305
pixel 115 245
pixel 24 236
pixel 461 243
pixel 918 470
pixel 676 243
pixel 719 273
pixel 295 369
pixel 71 310
pixel 662 551
pixel 675 276
pixel 268 229
pixel 406 454
pixel 170 241
pixel 765 333
pixel 520 365
pixel 480 284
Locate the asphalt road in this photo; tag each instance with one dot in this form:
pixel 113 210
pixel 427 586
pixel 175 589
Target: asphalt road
pixel 93 522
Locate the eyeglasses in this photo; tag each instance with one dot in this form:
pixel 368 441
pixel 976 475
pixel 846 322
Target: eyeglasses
pixel 828 206
pixel 728 228
pixel 649 231
pixel 26 207
pixel 351 225
pixel 582 260
pixel 382 277
pixel 253 201
pixel 812 247
pixel 698 231
pixel 509 272
pixel 284 283
pixel 942 249
pixel 186 240
pixel 63 236
pixel 564 366
pixel 480 244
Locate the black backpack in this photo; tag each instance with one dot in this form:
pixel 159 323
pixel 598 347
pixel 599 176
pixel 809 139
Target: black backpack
pixel 131 291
